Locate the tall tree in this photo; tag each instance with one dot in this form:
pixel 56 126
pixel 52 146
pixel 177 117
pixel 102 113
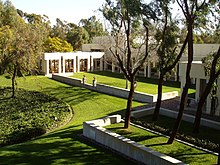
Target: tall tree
pixel 125 19
pixel 93 26
pixel 20 47
pixel 77 36
pixel 166 37
pixel 212 67
pixel 194 12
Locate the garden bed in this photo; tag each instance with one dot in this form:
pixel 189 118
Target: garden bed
pixel 29 114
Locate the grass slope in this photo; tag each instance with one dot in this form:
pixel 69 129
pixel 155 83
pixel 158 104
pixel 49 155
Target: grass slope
pixel 63 146
pixel 145 85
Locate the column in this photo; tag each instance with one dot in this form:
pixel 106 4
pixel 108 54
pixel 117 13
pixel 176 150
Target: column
pixel 47 67
pixel 148 69
pixel 91 61
pixel 78 64
pixel 59 65
pixel 88 64
pixel 113 67
pixel 197 89
pixel 145 70
pixel 74 65
pixel 64 64
pixel 101 64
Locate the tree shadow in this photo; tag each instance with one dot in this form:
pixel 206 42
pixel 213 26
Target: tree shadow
pixel 72 95
pixel 60 147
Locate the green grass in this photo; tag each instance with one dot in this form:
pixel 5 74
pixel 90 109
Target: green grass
pixel 146 85
pixel 63 146
pixel 177 150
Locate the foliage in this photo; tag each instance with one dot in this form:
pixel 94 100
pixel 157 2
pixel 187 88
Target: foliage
pixel 207 62
pixel 200 142
pixel 29 115
pixel 130 46
pixel 77 36
pixel 93 26
pixel 21 46
pixel 57 45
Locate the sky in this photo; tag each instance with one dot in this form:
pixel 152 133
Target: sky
pixel 66 10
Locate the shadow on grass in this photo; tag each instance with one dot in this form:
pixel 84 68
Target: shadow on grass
pixel 139 79
pixel 59 147
pixel 72 95
pixel 189 156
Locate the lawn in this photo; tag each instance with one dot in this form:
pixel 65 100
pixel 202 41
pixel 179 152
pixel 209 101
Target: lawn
pixel 178 150
pixel 64 146
pixel 146 85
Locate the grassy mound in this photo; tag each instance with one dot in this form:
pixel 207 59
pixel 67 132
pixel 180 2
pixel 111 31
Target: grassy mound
pixel 28 115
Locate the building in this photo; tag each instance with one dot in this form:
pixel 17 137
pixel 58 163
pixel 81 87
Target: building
pixel 199 77
pixel 69 63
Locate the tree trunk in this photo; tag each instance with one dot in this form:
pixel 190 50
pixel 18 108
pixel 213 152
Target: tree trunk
pixel 129 105
pixel 187 85
pixel 159 97
pixel 201 104
pixel 126 83
pixel 13 81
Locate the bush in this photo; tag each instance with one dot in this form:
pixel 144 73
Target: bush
pixel 28 115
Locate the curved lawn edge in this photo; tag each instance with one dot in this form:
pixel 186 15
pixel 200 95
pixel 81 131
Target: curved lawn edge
pixel 30 114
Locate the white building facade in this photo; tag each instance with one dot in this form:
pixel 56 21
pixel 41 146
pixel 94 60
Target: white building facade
pixel 199 77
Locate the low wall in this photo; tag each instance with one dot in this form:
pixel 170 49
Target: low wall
pixel 95 131
pixel 173 114
pixel 114 91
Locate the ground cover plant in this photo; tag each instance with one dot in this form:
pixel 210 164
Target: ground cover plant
pixel 207 137
pixel 187 154
pixel 146 85
pixel 29 114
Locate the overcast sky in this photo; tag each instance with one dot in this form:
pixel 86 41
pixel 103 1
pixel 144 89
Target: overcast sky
pixel 69 10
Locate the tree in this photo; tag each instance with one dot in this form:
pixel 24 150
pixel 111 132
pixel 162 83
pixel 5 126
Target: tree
pixel 77 36
pixel 124 17
pixel 194 12
pixel 19 45
pixel 166 37
pixel 59 30
pixel 212 68
pixel 56 44
pixel 93 27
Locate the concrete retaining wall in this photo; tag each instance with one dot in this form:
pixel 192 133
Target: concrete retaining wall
pixel 173 114
pixel 114 91
pixel 95 131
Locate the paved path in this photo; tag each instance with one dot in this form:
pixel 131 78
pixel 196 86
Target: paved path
pixel 173 104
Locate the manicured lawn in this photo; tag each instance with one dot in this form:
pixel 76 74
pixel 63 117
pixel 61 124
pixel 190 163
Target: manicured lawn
pixel 178 150
pixel 145 85
pixel 63 146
